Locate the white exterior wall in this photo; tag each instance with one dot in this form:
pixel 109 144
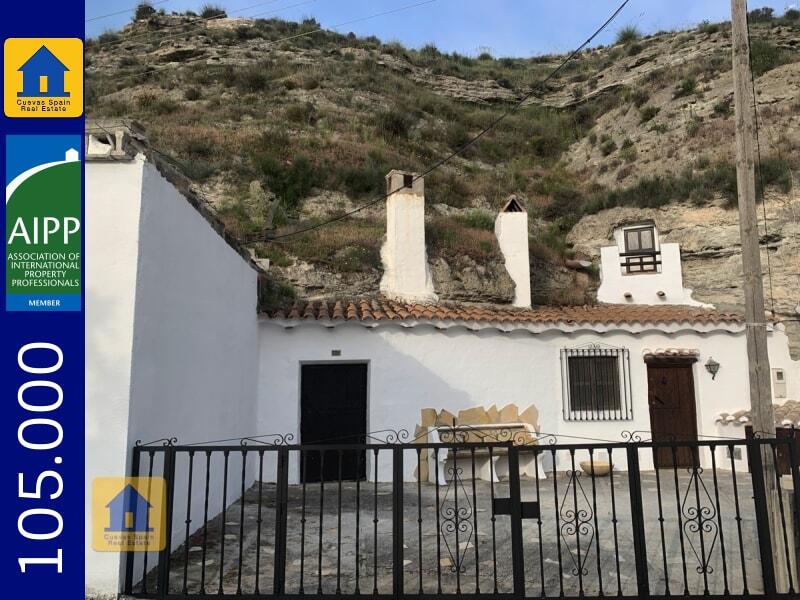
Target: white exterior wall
pixel 511 229
pixel 171 324
pixel 422 367
pixel 113 200
pixel 643 287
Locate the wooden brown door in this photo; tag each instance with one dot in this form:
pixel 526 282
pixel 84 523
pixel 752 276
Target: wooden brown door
pixel 673 416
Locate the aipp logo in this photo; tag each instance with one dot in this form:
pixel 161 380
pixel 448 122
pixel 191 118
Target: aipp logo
pixel 43 77
pixel 128 514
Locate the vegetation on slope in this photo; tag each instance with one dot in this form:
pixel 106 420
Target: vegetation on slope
pixel 236 102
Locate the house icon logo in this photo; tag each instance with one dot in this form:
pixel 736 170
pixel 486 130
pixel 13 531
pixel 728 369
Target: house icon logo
pixel 128 514
pixel 43 77
pixel 130 511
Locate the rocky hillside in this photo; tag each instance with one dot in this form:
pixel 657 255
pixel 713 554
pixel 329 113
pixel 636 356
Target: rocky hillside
pixel 279 125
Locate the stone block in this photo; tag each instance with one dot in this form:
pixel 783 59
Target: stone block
pixel 509 414
pixel 531 416
pixel 473 416
pixel 427 417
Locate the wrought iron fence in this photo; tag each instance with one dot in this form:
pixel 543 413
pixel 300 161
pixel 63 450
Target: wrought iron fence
pixel 534 518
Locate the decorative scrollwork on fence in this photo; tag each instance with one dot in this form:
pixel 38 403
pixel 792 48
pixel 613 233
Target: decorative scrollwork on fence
pixel 269 439
pixel 699 525
pixel 162 441
pixel 456 527
pixel 576 529
pixel 389 436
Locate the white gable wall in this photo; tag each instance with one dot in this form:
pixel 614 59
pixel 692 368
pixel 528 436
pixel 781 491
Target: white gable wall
pixel 454 369
pixel 113 200
pixel 171 336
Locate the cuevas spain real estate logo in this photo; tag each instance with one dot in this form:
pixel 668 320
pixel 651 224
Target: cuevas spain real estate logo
pixel 43 223
pixel 43 77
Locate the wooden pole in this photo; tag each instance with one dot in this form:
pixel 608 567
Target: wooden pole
pixel 761 410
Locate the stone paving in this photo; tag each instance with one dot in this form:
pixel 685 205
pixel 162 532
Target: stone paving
pixel 573 545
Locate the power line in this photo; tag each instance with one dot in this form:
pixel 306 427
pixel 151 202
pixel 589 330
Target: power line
pixel 295 36
pixel 760 173
pixel 470 142
pixel 127 10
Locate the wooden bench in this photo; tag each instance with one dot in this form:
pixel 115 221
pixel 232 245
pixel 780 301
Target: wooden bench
pixel 488 465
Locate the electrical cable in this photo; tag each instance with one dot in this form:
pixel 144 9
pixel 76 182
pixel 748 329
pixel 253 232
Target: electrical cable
pixel 467 144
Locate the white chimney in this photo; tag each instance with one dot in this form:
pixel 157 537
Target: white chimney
pixel 406 275
pixel 511 229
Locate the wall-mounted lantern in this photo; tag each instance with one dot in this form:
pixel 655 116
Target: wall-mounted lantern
pixel 712 367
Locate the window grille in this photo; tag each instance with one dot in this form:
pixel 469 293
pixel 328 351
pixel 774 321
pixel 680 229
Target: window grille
pixel 595 383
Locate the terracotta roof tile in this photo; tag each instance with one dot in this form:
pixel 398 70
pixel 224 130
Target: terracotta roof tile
pixel 786 415
pixel 382 309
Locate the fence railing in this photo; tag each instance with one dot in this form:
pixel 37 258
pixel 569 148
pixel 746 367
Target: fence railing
pixel 482 519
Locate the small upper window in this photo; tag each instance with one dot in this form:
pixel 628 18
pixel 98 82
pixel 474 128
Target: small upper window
pixel 641 254
pixel 641 239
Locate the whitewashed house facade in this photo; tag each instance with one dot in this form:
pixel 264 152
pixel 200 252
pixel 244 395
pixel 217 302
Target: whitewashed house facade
pixel 176 348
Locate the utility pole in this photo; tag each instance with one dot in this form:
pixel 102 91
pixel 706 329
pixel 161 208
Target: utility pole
pixel 761 411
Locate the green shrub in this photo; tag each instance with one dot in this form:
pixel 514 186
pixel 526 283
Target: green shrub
pixel 723 108
pixel 478 219
pixel 364 179
pixel 276 255
pixel 607 147
pixel 304 113
pixel 310 83
pixel 485 56
pixel 637 96
pixel 290 183
pixel 250 79
pixel 212 11
pixel 274 294
pixel 634 49
pixel 108 37
pixel 143 10
pixel 765 56
pixel 693 126
pixel 648 113
pixel 776 171
pixel 393 124
pixel 628 151
pixel 708 27
pixel 452 239
pixel 192 93
pixel 686 87
pixel 628 34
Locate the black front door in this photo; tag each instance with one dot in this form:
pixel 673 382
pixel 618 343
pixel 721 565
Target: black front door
pixel 333 410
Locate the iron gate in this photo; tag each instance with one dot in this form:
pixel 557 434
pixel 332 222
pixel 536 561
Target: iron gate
pixel 489 519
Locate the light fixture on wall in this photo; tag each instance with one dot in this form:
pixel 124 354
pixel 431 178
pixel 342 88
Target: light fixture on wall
pixel 712 367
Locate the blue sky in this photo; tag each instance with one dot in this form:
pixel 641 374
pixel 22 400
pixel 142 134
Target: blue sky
pixel 504 27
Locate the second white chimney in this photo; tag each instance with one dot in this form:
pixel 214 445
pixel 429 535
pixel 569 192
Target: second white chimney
pixel 406 275
pixel 511 229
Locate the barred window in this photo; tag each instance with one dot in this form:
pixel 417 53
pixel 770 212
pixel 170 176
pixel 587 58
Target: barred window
pixel 596 383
